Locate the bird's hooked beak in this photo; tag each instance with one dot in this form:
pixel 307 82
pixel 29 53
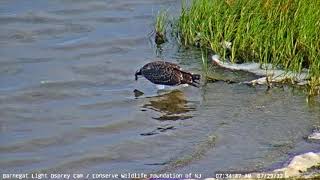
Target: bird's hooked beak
pixel 138 72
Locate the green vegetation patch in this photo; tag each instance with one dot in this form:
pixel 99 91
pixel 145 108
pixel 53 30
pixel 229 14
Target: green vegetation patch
pixel 285 33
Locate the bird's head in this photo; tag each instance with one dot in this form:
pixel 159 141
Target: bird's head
pixel 138 72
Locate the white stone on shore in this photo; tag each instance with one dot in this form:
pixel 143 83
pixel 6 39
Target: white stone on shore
pixel 298 167
pixel 300 164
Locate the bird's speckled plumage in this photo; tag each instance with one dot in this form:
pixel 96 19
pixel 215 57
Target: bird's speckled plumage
pixel 166 73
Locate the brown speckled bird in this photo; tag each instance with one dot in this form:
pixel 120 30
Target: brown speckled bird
pixel 166 73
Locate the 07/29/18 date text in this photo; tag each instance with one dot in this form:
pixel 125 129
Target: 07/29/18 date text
pixel 241 175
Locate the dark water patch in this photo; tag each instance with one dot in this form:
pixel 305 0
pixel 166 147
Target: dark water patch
pixel 114 154
pixel 129 41
pixel 110 128
pixel 108 19
pixel 104 52
pixel 149 133
pixel 69 11
pixel 18 163
pixel 146 2
pixel 31 18
pixel 198 152
pixel 172 117
pixel 157 164
pixel 34 96
pixel 166 128
pixel 70 28
pixel 102 8
pixel 107 104
pixel 142 17
pixel 116 19
pixel 9 70
pixel 57 91
pixel 23 60
pixel 80 8
pixel 123 43
pixel 159 130
pixel 18 36
pixel 83 163
pixel 103 79
pixel 41 32
pixel 40 143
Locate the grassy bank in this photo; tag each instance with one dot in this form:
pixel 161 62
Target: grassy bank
pixel 285 33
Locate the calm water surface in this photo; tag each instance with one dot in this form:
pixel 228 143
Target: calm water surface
pixel 67 103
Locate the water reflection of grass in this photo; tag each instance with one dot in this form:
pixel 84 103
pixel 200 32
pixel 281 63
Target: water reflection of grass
pixel 161 27
pixel 282 32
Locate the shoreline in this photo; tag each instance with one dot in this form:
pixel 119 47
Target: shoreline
pixel 283 34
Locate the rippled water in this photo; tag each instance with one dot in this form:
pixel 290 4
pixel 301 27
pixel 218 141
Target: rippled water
pixel 67 101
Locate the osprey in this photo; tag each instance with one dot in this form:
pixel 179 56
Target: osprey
pixel 166 73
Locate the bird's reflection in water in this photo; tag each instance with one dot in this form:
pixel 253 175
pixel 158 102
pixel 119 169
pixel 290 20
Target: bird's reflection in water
pixel 172 106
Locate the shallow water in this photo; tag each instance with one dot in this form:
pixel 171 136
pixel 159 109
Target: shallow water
pixel 67 101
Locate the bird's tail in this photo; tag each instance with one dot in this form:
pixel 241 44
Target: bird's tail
pixel 191 79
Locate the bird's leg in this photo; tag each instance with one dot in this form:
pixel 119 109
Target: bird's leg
pixel 160 86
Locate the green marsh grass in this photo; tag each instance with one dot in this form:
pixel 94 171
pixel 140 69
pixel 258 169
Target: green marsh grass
pixel 161 27
pixel 206 68
pixel 285 33
pixel 204 64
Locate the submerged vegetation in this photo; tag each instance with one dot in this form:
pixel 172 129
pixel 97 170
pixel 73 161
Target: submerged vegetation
pixel 161 27
pixel 285 33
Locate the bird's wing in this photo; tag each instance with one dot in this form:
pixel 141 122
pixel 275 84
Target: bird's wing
pixel 162 73
pixel 173 65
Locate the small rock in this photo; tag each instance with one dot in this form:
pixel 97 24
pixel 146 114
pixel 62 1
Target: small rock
pixel 314 136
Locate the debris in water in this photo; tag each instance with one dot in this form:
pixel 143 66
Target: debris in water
pixel 137 93
pixel 268 73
